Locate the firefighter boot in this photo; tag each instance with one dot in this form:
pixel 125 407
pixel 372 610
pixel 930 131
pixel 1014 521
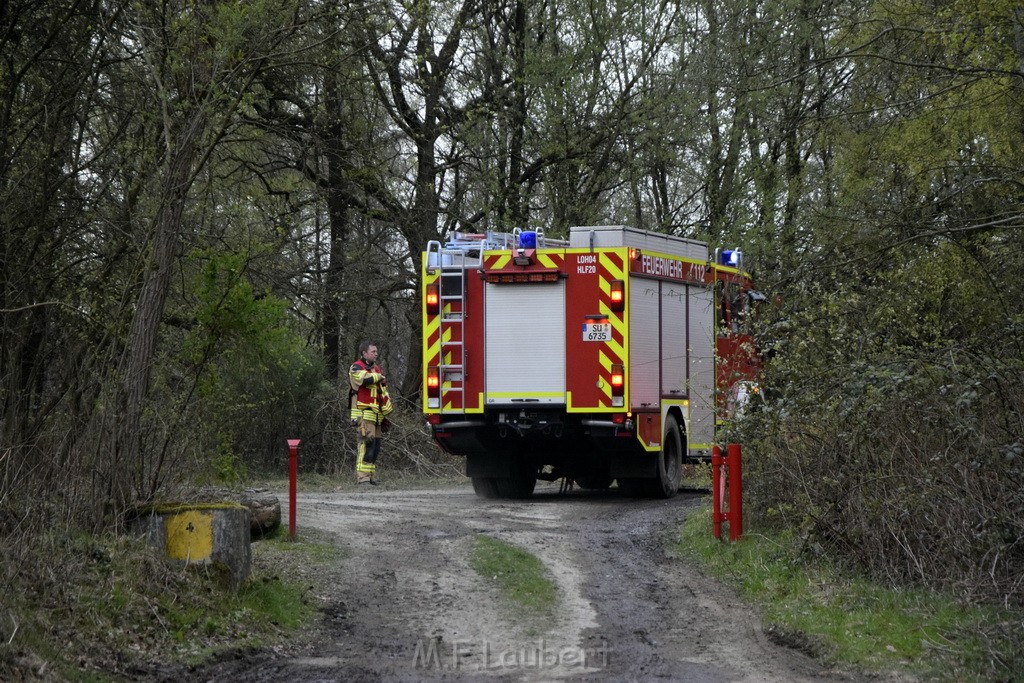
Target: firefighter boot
pixel 364 469
pixel 370 459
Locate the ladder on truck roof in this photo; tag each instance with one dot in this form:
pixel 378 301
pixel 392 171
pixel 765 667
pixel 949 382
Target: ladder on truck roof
pixel 452 261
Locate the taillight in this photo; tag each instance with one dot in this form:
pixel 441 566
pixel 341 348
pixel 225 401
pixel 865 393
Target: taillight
pixel 618 379
pixel 618 295
pixel 433 299
pixel 433 382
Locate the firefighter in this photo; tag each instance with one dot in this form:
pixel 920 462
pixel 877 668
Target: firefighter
pixel 370 405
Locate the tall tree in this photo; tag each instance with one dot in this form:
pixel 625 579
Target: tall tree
pixel 49 86
pixel 200 65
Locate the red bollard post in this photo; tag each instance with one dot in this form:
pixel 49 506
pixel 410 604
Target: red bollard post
pixel 717 491
pixel 293 475
pixel 733 463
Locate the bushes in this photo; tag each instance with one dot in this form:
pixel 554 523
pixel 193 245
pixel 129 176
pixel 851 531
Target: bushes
pixel 895 443
pixel 330 445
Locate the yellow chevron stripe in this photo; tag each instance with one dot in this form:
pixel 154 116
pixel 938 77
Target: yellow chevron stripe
pixel 618 320
pixel 547 261
pixel 616 272
pixel 612 345
pixel 606 363
pixel 431 325
pixel 430 351
pixel 501 262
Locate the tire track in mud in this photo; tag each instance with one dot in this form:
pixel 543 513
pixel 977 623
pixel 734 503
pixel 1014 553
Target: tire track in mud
pixel 666 618
pixel 405 605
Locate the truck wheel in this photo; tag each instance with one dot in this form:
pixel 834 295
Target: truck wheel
pixel 485 487
pixel 670 461
pixel 520 484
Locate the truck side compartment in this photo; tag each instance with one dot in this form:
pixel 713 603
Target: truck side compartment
pixel 592 358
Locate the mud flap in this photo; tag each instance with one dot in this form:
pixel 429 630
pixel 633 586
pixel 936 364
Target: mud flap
pixel 489 466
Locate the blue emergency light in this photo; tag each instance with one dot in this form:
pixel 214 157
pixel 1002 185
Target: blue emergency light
pixel 731 257
pixel 528 239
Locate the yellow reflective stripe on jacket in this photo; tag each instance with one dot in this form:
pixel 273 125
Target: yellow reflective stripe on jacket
pixel 360 375
pixel 371 414
pixel 371 401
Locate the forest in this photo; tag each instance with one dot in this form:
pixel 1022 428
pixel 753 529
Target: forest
pixel 206 204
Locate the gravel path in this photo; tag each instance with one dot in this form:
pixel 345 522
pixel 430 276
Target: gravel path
pixel 405 606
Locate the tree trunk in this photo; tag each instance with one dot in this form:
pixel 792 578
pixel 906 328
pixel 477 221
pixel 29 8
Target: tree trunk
pixel 516 204
pixel 128 465
pixel 338 203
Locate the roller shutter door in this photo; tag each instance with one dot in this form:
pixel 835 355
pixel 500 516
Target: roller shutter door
pixel 644 339
pixel 702 366
pixel 525 342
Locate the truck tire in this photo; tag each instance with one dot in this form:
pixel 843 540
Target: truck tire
pixel 520 485
pixel 670 461
pixel 485 487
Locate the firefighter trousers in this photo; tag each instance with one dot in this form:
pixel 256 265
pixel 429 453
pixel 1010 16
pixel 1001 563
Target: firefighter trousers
pixel 368 438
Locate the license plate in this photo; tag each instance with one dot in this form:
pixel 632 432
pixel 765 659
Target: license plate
pixel 597 332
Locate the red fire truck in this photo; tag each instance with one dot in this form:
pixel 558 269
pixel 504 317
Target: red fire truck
pixel 608 357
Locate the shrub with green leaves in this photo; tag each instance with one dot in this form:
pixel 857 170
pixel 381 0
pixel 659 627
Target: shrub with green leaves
pixel 892 438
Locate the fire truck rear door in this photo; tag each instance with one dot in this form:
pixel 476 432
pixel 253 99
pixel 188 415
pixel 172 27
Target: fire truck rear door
pixel 525 343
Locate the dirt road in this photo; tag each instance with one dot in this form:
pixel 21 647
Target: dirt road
pixel 406 605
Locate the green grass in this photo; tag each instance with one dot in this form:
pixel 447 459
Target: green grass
pixel 274 601
pixel 308 544
pixel 89 605
pixel 524 581
pixel 850 621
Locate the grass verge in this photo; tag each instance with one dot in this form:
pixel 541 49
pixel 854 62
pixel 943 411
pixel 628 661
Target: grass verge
pixel 522 578
pixel 107 608
pixel 850 621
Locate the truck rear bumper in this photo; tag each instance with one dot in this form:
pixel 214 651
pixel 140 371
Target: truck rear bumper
pixel 547 436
